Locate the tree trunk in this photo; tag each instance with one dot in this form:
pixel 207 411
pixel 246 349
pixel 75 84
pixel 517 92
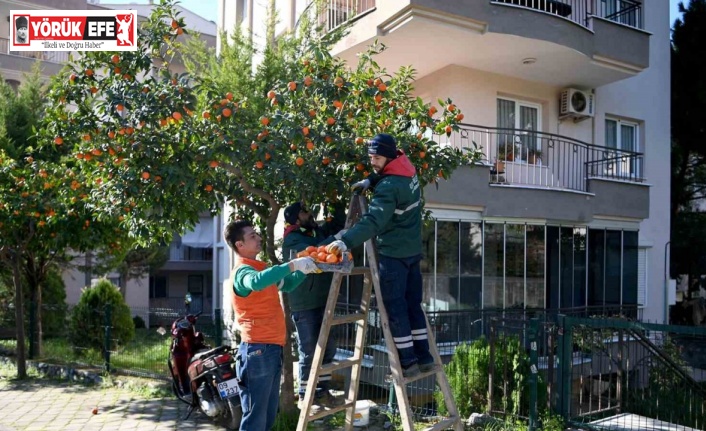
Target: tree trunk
pixel 287 402
pixel 19 317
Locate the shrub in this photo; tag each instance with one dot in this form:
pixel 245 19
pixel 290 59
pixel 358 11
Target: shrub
pixel 468 374
pixel 88 318
pixel 139 322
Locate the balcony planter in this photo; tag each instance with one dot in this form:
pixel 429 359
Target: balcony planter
pixel 534 157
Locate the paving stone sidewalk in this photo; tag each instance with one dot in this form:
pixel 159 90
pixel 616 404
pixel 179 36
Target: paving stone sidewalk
pixel 38 405
pixel 48 405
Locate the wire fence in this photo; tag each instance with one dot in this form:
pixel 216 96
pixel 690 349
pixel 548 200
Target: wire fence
pixel 591 365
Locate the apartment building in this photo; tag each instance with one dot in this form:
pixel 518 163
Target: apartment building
pixel 569 101
pixel 189 264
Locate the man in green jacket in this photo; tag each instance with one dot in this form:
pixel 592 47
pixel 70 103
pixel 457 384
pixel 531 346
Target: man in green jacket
pixel 308 302
pixel 394 217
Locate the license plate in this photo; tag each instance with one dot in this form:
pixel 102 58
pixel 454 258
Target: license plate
pixel 228 389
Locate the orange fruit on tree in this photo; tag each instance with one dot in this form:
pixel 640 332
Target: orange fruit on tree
pixel 382 87
pixel 299 161
pixel 206 115
pixel 305 131
pixel 145 175
pixel 267 156
pixel 259 164
pixel 451 107
pixel 115 58
pixel 58 140
pixel 227 112
pixel 432 111
pixel 213 163
pixel 338 104
pixel 338 82
pixel 325 160
pixel 253 146
pixel 328 139
pixel 292 85
pixel 208 187
pixel 359 167
pixel 271 94
pixel 176 116
pixel 119 107
pixel 86 137
pixel 422 154
pixel 94 90
pixel 175 24
pixel 308 80
pixel 330 121
pixel 179 30
pixel 312 113
pixel 117 70
pixel 89 72
pixel 293 147
pixel 459 117
pixel 448 129
pixel 309 145
pixel 359 141
pixel 229 95
pixel 264 121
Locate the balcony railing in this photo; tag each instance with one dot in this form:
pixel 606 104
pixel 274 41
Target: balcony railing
pixel 333 13
pixel 546 160
pixel 628 12
pixel 51 56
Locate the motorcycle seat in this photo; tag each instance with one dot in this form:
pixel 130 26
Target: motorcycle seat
pixel 211 352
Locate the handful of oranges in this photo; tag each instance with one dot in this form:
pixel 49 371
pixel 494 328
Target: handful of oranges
pixel 320 255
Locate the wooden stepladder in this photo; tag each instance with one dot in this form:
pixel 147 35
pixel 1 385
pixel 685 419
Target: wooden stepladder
pixel 357 208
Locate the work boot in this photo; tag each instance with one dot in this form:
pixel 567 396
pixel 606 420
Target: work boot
pixel 315 407
pixel 327 400
pixel 411 371
pixel 425 368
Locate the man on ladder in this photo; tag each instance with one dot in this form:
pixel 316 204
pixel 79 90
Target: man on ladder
pixel 394 217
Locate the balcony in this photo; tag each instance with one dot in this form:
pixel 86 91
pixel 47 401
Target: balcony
pixel 496 35
pixel 542 176
pixel 21 62
pixel 545 160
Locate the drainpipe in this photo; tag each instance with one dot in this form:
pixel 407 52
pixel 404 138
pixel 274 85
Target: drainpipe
pixel 667 251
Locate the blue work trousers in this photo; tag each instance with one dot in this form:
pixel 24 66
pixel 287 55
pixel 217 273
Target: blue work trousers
pixel 308 324
pixel 401 285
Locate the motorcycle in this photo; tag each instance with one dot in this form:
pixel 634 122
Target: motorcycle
pixel 204 377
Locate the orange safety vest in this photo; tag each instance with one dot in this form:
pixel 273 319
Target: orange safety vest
pixel 259 316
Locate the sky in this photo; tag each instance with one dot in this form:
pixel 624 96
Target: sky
pixel 209 8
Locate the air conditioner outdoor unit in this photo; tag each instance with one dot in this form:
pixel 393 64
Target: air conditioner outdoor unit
pixel 577 104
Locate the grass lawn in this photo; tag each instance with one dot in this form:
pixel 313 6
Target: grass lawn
pixel 147 353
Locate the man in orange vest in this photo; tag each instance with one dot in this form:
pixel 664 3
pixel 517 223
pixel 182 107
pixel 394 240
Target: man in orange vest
pixel 260 319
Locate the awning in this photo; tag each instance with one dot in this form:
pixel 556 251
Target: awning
pixel 201 236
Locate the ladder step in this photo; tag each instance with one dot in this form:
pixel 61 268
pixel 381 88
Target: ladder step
pixel 338 365
pixel 348 318
pixel 329 411
pixel 445 424
pixel 359 270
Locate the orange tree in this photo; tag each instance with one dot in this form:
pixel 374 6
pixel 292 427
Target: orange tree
pixel 166 147
pixel 44 210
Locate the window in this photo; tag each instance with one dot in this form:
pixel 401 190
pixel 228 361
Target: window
pixel 524 118
pixel 195 284
pixel 622 136
pixel 158 286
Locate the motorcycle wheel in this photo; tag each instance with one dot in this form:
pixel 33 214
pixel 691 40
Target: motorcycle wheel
pixel 232 415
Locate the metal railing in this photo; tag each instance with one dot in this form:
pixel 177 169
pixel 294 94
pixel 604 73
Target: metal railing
pixel 333 13
pixel 628 12
pixel 546 160
pixel 50 56
pixel 186 253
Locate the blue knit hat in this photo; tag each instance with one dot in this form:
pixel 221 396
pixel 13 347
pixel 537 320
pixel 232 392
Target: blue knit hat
pixel 291 213
pixel 383 145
